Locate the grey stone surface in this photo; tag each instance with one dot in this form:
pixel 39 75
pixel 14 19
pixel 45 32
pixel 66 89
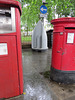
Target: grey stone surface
pixel 34 84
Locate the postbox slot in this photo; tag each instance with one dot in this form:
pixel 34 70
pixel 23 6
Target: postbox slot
pixel 5 12
pixel 69 27
pixel 7 20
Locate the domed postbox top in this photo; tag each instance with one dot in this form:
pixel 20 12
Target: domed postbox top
pixel 12 3
pixel 65 19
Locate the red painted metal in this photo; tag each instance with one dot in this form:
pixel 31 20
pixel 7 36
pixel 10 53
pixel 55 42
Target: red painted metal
pixel 9 83
pixel 63 53
pixel 11 75
pixel 19 50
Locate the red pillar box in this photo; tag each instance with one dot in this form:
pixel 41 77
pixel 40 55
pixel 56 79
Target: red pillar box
pixel 63 52
pixel 11 76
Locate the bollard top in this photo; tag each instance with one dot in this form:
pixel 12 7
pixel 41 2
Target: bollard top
pixel 12 3
pixel 65 19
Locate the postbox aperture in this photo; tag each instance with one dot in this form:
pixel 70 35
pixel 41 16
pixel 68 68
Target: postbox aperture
pixel 7 20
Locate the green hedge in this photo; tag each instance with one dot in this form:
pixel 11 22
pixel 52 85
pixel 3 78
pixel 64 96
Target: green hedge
pixel 26 39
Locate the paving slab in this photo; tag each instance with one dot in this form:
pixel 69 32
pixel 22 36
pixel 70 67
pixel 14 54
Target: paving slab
pixel 62 91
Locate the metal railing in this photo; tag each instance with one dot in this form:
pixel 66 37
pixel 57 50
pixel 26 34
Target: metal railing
pixel 26 40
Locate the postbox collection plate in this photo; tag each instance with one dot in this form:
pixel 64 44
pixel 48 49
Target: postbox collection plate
pixel 70 38
pixel 3 49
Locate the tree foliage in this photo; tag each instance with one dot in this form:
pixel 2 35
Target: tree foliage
pixel 31 10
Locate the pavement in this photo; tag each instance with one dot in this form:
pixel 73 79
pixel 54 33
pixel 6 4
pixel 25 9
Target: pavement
pixel 37 84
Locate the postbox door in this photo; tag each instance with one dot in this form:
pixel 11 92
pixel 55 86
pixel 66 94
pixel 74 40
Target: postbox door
pixel 9 82
pixel 57 50
pixel 68 57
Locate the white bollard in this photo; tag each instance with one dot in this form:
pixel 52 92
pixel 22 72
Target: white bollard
pixel 39 37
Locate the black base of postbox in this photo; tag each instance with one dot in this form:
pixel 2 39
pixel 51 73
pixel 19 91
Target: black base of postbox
pixel 66 77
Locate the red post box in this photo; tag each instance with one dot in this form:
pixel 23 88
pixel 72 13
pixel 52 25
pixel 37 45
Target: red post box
pixel 11 76
pixel 63 52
